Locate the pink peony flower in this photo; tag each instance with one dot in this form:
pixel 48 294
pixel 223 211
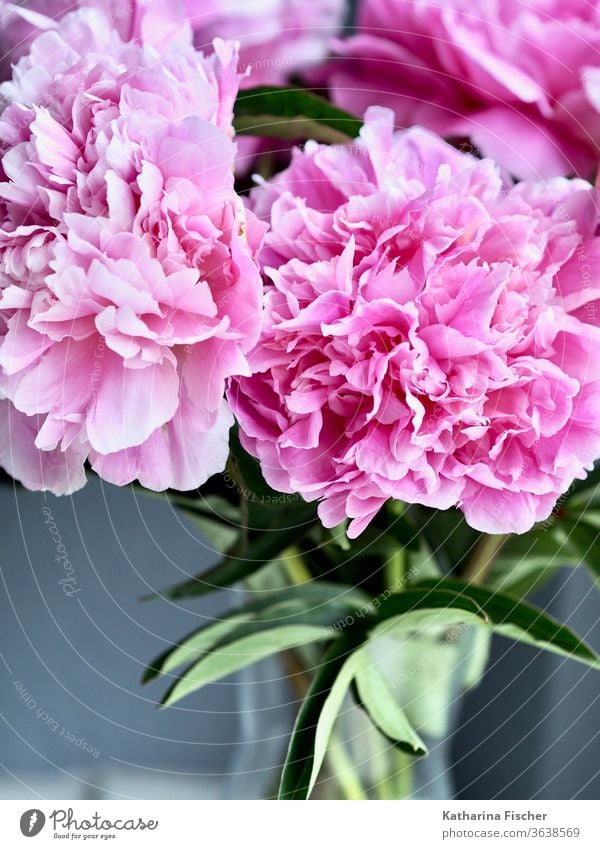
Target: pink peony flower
pixel 19 25
pixel 430 334
pixel 155 22
pixel 510 75
pixel 278 38
pixel 129 288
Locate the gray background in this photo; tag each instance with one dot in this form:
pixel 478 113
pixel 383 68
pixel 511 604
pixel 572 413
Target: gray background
pixel 529 731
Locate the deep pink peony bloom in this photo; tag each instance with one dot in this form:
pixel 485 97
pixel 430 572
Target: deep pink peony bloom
pixel 430 333
pixel 129 288
pixel 510 75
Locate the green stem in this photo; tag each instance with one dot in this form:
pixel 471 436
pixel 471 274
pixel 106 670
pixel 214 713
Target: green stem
pixel 343 770
pixel 485 552
pixel 294 565
pixel 404 774
pixel 395 571
pixel 338 759
pixel 383 780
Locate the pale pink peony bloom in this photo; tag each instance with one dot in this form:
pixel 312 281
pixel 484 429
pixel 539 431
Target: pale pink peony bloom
pixel 509 75
pixel 129 288
pixel 20 24
pixel 431 333
pixel 156 22
pixel 278 38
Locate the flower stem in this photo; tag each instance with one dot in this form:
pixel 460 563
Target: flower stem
pixel 294 565
pixel 381 768
pixel 337 757
pixel 485 552
pixel 395 570
pixel 404 776
pixel 343 770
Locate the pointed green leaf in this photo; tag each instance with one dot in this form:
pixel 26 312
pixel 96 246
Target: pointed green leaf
pixel 316 603
pixel 317 715
pixel 424 606
pixel 267 546
pixel 377 698
pixel 193 646
pixel 518 620
pixel 292 113
pixel 241 653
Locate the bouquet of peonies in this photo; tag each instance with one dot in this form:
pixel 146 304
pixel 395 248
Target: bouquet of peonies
pixel 365 366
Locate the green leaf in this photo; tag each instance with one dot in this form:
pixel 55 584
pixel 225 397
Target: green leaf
pixel 422 666
pixel 234 567
pixel 247 472
pixel 316 718
pixel 581 540
pixel 449 536
pixel 412 626
pixel 292 113
pixel 194 645
pixel 478 657
pixel 241 653
pixel 527 560
pixel 424 605
pixel 220 536
pixel 377 698
pixel 518 620
pixel 316 603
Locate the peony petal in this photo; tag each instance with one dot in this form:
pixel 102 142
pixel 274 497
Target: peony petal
pixel 129 404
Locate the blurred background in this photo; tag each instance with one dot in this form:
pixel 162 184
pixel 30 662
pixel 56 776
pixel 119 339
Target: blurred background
pixel 77 723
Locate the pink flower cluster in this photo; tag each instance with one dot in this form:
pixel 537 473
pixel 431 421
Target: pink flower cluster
pixel 158 23
pixel 431 333
pixel 129 287
pixel 513 76
pixel 429 329
pixel 277 38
